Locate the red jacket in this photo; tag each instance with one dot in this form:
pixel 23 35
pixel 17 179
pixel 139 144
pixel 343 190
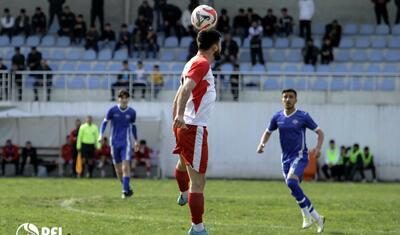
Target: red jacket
pixel 10 152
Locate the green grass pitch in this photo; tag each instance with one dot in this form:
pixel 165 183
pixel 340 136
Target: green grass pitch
pixel 232 207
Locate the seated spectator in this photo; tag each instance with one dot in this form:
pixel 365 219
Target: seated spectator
pixel 67 23
pixel 103 156
pixel 122 80
pixel 285 23
pixel 92 38
pixel 33 60
pixel 355 163
pixel 39 80
pixel 172 15
pixel 327 52
pixel 2 65
pixel 139 80
pixel 342 164
pixel 107 37
pixel 29 155
pixel 124 39
pixel 310 53
pixel 331 160
pixel 22 24
pixel 333 31
pixel 157 79
pixel 229 49
pixel 255 34
pixel 192 49
pixel 79 31
pixel 368 162
pixel 142 157
pixel 269 23
pixel 66 157
pixel 151 43
pixel 18 64
pixel 223 24
pixel 39 22
pixel 7 23
pixel 10 156
pixel 234 80
pixel 241 24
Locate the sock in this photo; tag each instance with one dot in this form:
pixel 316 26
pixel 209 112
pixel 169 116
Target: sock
pixel 125 183
pixel 198 227
pixel 297 193
pixel 182 178
pixel 148 171
pixel 196 205
pixel 314 213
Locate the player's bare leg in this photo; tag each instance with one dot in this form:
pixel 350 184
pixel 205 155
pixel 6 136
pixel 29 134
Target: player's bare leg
pixel 118 171
pixel 182 179
pixel 148 167
pixel 196 201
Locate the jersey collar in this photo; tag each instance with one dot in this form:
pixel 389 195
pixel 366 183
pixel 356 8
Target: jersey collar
pixel 284 113
pixel 121 109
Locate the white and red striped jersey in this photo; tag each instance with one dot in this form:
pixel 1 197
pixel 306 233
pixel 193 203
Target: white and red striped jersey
pixel 202 99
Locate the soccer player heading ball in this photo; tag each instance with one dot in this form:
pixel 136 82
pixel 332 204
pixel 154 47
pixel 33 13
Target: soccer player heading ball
pixel 292 124
pixel 191 109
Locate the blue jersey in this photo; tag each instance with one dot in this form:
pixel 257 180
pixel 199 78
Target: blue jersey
pixel 292 132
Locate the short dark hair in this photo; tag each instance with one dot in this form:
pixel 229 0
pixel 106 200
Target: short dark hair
pixel 284 9
pixel 223 11
pixel 356 145
pixel 156 66
pixel 207 38
pixel 22 10
pixel 123 93
pixel 290 90
pixel 331 141
pixel 124 25
pixel 241 10
pixel 125 62
pixel 366 148
pixel 143 142
pixel 38 8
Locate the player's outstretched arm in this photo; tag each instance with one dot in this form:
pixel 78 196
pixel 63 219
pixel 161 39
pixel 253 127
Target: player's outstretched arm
pixel 103 127
pixel 182 99
pixel 320 141
pixel 263 141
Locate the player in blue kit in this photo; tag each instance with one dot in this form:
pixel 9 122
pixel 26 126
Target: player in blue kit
pixel 123 127
pixel 292 124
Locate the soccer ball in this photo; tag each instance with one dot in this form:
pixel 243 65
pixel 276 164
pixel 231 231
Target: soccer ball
pixel 204 17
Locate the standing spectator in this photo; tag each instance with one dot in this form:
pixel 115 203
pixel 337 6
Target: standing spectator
pixel 140 32
pixel 124 39
pixel 39 22
pixel 66 155
pixel 251 16
pixel 224 22
pixel 368 162
pixel 172 15
pixel 332 157
pixel 356 162
pixel 255 34
pixel 73 138
pixel 67 23
pixel 142 156
pixel 397 2
pixel 97 10
pixel 286 23
pixel 55 8
pixel 151 43
pixel 327 52
pixel 381 11
pixel 234 80
pixel 79 31
pixel 157 80
pixel 7 23
pixel 10 156
pixel 103 156
pixel 92 38
pixel 22 23
pixel 186 18
pixel 229 49
pixel 122 79
pixel 269 23
pixel 40 80
pixel 139 80
pixel 159 6
pixel 87 143
pixel 29 155
pixel 107 37
pixel 192 49
pixel 333 31
pixel 306 13
pixel 310 52
pixel 2 76
pixel 146 10
pixel 241 24
pixel 18 64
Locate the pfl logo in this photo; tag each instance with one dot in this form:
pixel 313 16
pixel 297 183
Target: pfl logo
pixel 31 229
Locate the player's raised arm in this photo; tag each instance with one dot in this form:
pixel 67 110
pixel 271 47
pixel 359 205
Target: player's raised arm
pixel 182 98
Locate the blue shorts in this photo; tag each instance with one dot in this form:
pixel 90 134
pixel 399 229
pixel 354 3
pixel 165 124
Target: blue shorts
pixel 120 153
pixel 295 166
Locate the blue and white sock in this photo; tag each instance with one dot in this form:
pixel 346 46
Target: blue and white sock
pixel 125 183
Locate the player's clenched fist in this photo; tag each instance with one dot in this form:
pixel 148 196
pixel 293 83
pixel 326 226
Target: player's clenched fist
pixel 179 122
pixel 260 148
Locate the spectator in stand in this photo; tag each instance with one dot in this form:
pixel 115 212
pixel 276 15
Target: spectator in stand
pixel 368 162
pixel 356 162
pixel 229 49
pixel 103 156
pixel 73 137
pixel 310 52
pixel 157 79
pixel 223 24
pixel 381 12
pixel 255 34
pixel 55 8
pixel 66 153
pixel 342 163
pixel 39 22
pixel 40 80
pixel 172 15
pixel 159 6
pixel 7 23
pixel 67 23
pixel 151 43
pixel 22 23
pixel 124 39
pixel 2 65
pixel 146 10
pixel 192 49
pixel 29 155
pixel 139 80
pixel 107 37
pixel 306 13
pixel 327 52
pixel 397 2
pixel 241 24
pixel 92 38
pixel 10 156
pixel 122 79
pixel 97 10
pixel 269 23
pixel 234 80
pixel 186 18
pixel 333 31
pixel 142 157
pixel 18 64
pixel 3 83
pixel 251 16
pixel 332 157
pixel 79 30
pixel 33 60
pixel 286 23
pixel 140 32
